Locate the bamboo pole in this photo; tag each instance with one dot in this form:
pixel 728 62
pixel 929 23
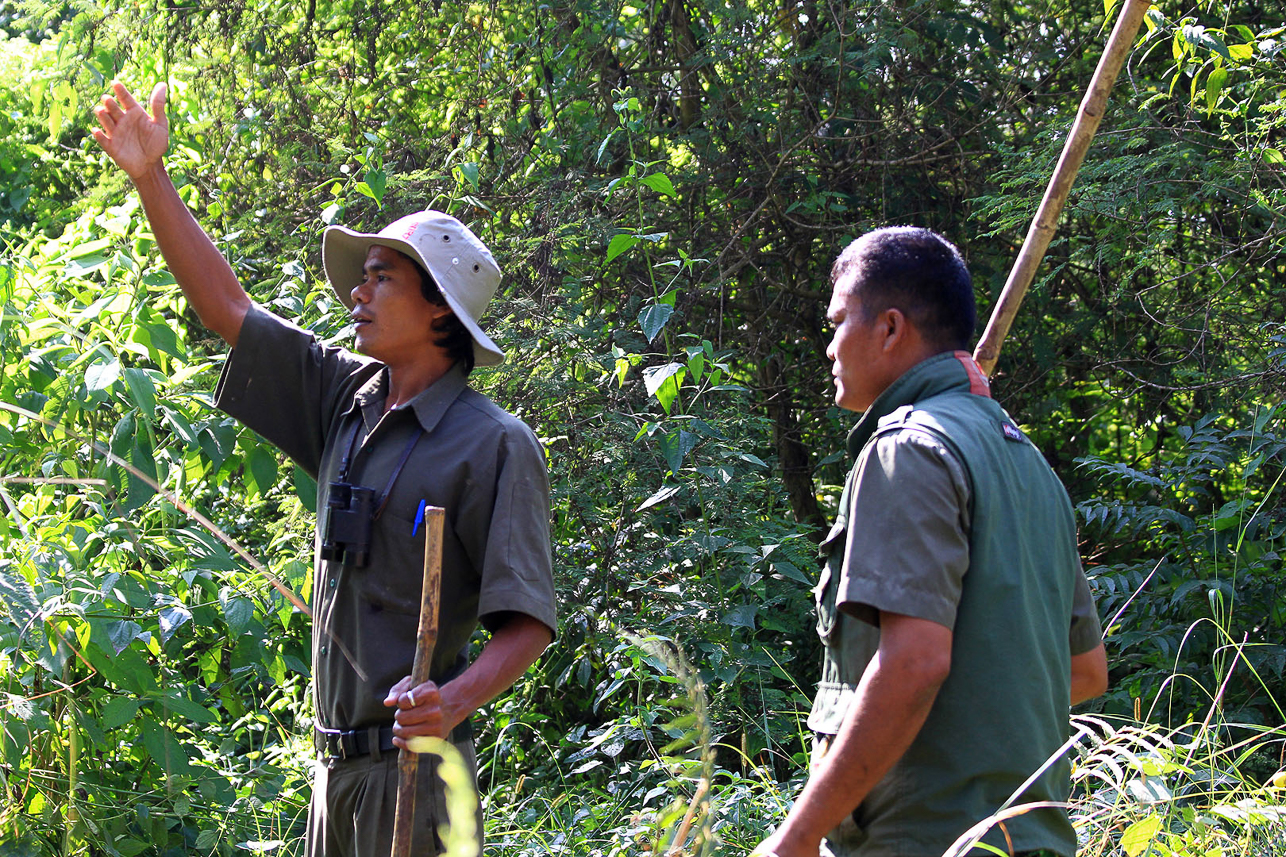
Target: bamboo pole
pixel 1051 205
pixel 408 762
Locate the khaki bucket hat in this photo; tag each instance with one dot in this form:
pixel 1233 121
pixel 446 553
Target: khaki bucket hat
pixel 455 258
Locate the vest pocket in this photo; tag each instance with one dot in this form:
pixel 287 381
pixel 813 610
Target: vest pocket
pixel 832 548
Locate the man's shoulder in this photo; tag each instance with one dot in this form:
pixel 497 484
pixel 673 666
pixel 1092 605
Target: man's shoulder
pixel 486 417
pixel 263 325
pixel 954 416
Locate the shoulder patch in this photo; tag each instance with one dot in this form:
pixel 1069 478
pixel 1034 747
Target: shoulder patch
pixel 1012 432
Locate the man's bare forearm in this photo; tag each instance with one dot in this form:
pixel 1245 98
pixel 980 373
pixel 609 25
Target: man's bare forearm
pixel 431 710
pixel 204 275
pixel 136 140
pixel 893 700
pixel 506 656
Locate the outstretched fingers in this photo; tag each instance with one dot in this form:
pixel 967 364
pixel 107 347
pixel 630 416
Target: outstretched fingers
pixel 156 103
pixel 123 95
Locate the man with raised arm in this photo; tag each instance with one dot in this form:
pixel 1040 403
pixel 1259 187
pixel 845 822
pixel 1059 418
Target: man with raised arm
pixel 381 432
pixel 956 622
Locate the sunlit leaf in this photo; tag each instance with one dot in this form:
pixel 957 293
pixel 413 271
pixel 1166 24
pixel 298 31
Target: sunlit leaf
pixel 1139 835
pixel 660 183
pixel 663 382
pixel 660 496
pixel 102 374
pixel 620 243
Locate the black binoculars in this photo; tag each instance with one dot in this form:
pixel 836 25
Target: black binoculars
pixel 346 531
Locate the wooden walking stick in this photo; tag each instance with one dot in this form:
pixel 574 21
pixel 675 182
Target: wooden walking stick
pixel 408 762
pixel 1046 221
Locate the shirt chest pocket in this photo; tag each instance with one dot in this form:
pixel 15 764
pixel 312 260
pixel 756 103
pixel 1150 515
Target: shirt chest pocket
pixel 394 579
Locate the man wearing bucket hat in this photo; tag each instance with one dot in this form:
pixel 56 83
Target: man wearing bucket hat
pixel 381 431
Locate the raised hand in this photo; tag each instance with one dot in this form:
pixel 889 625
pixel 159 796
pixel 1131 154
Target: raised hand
pixel 135 140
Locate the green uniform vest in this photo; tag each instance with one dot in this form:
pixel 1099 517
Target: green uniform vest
pixel 1004 708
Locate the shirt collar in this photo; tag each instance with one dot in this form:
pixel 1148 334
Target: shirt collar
pixel 428 405
pixel 950 371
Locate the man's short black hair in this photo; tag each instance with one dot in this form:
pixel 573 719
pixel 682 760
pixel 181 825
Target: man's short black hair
pixel 455 337
pixel 917 271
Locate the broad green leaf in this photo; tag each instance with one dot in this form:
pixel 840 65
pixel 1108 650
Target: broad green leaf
pixel 165 748
pixel 239 612
pixel 172 618
pixel 175 703
pixel 305 488
pixel 1214 85
pixel 142 391
pixel 85 266
pixel 143 458
pixel 663 382
pixel 1139 835
pixel 377 180
pixel 132 846
pixel 660 183
pixel 696 361
pixel 122 632
pixel 158 337
pixel 674 446
pixel 263 468
pixel 134 671
pixel 467 173
pixel 598 156
pixel 217 441
pixel 741 616
pixel 653 318
pixel 620 243
pixel 179 424
pixel 118 711
pixel 1153 19
pixel 205 551
pixel 788 570
pixel 102 374
pixel 1213 41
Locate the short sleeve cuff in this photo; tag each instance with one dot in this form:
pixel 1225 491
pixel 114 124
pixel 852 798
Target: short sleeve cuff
pixel 908 549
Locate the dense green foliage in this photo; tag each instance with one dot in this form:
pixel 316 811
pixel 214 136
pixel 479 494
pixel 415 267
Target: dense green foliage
pixel 665 185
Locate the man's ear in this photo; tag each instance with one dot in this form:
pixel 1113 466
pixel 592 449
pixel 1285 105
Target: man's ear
pixel 896 328
pixel 440 311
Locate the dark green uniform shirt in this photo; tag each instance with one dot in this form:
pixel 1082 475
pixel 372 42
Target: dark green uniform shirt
pixel 482 465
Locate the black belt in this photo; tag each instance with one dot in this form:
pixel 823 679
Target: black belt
pixel 354 743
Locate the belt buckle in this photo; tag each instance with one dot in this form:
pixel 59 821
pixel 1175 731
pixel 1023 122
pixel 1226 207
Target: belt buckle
pixel 333 743
pixel 339 751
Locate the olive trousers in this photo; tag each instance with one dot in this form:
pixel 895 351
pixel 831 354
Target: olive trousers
pixel 355 801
